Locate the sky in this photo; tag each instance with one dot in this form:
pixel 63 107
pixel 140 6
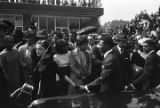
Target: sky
pixel 126 9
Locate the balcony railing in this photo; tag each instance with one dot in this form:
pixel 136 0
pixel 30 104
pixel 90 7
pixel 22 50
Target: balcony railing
pixel 76 3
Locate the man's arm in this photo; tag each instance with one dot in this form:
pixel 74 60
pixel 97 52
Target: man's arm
pixel 73 66
pixel 148 68
pixel 107 68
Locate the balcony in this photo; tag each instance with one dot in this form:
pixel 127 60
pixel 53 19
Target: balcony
pixel 53 10
pixel 83 3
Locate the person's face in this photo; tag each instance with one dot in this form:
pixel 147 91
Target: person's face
pixel 146 48
pixel 103 47
pixel 72 38
pixel 122 44
pixel 83 47
pixel 91 41
pixel 158 29
pixel 39 50
pixel 31 41
pixel 55 38
pixel 9 44
pixel 65 37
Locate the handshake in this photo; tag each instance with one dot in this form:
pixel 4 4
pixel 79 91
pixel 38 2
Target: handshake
pixel 129 87
pixel 82 88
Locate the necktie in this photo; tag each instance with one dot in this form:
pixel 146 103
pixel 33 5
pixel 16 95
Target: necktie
pixel 122 51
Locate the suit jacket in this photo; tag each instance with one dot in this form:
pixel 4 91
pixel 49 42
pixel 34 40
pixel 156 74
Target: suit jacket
pixel 151 74
pixel 112 73
pixel 78 75
pixel 5 99
pixel 77 70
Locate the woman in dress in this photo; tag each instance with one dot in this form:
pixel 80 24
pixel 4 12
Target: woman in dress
pixel 61 58
pixel 47 69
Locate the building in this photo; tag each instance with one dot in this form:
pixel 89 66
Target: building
pixel 49 14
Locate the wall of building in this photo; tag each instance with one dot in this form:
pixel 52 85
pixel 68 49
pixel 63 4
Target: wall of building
pixel 50 17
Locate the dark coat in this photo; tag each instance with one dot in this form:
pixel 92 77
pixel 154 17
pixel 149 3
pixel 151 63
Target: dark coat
pixel 112 73
pixel 12 67
pixel 151 74
pixel 5 100
pixel 47 69
pixel 4 95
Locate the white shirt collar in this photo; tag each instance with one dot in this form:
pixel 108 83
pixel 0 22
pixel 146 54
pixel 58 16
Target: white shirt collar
pixel 98 46
pixel 119 49
pixel 150 52
pixel 107 52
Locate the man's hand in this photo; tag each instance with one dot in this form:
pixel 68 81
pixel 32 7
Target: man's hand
pixel 129 87
pixel 85 88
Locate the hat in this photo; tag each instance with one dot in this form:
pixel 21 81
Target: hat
pixel 122 37
pixel 41 34
pixel 150 42
pixel 142 40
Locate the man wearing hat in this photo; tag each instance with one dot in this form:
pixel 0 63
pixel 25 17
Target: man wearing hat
pixel 150 77
pixel 111 78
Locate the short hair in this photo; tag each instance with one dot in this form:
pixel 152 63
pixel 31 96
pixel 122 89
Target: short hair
pixel 150 42
pixel 82 41
pixel 59 35
pixel 61 46
pixel 44 44
pixel 8 39
pixel 108 41
pixel 8 42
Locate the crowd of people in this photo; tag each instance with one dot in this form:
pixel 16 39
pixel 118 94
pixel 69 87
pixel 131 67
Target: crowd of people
pixel 69 64
pixel 78 3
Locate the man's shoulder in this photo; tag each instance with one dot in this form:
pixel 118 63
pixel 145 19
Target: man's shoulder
pixel 115 49
pixel 108 53
pixel 74 52
pixel 3 53
pixel 94 47
pixel 22 47
pixel 153 55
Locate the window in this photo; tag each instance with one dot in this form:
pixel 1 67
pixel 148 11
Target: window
pixel 74 23
pixel 84 22
pixel 3 0
pixel 61 22
pixel 42 23
pixel 9 18
pixel 35 20
pixel 19 28
pixel 34 1
pixel 18 21
pixel 51 23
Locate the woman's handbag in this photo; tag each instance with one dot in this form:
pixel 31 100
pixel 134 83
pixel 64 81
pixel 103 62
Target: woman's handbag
pixel 23 95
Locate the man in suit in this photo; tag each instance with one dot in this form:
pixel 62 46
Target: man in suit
pixel 5 99
pixel 150 77
pixel 80 64
pixel 111 77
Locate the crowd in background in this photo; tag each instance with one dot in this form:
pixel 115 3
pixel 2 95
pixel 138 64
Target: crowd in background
pixel 143 24
pixel 68 63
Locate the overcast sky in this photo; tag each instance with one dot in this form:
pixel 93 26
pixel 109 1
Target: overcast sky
pixel 127 9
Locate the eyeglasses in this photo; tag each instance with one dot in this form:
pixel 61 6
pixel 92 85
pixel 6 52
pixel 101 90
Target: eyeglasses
pixel 90 39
